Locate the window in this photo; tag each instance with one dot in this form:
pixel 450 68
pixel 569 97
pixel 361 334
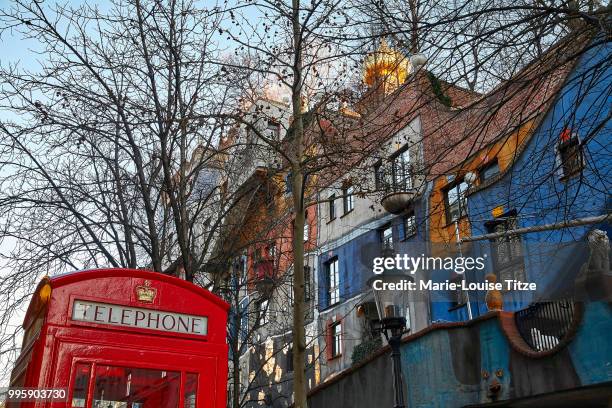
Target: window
pixel 489 171
pixel 401 171
pixel 244 319
pixel 332 207
pixel 289 365
pixel 336 337
pixel 333 282
pixel 348 199
pixel 80 385
pixel 459 296
pixel 273 130
pixel 407 317
pixel 570 154
pixel 386 236
pixel 262 312
pixel 307 285
pixel 190 391
pixel 456 202
pixel 507 250
pixel 142 387
pixel 306 228
pixel 288 185
pixel 271 253
pixel 243 264
pixel 380 181
pixel 408 226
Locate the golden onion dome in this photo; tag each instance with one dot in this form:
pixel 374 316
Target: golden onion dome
pixel 386 64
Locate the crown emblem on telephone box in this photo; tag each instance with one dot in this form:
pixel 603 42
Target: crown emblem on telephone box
pixel 146 293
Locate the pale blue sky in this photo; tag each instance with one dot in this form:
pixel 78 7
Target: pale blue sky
pixel 14 48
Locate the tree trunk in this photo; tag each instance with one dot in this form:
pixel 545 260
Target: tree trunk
pixel 235 353
pixel 299 331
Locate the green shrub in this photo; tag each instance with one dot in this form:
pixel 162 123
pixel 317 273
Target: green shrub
pixel 436 86
pixel 366 349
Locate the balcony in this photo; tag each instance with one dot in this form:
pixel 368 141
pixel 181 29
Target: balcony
pixel 398 201
pixel 398 186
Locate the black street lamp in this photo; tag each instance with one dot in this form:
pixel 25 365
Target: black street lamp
pixel 391 305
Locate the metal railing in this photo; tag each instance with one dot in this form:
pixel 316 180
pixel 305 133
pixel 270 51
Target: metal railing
pixel 544 325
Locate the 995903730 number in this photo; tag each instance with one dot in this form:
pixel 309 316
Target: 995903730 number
pixel 33 394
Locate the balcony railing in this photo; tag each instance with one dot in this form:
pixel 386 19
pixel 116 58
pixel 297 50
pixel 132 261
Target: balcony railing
pixel 544 325
pixel 397 182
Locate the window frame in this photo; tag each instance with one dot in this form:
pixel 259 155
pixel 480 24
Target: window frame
pixel 273 129
pixel 573 141
pixel 336 339
pixel 307 283
pixel 333 270
pixel 512 246
pixel 459 296
pixel 288 185
pixel 488 166
pixel 263 316
pixel 331 209
pixel 348 199
pixel 243 313
pixel 306 234
pixel 462 203
pixel 408 233
pixel 386 240
pixel 401 170
pixel 379 176
pixel 289 362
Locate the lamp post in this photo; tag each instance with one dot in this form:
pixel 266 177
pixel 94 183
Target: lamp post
pixel 391 306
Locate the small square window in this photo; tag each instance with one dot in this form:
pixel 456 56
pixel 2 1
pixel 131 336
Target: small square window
pixel 273 130
pixel 489 171
pixel 408 226
pixel 571 157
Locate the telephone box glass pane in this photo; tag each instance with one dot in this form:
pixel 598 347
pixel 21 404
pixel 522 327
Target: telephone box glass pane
pixel 125 387
pixel 191 388
pixel 80 386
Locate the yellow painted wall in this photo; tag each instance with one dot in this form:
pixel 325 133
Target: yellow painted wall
pixel 506 149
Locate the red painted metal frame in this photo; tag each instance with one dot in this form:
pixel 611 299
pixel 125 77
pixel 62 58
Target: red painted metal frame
pixel 49 359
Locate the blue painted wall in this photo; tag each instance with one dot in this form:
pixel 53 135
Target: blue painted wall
pixel 354 264
pixel 534 186
pixel 356 257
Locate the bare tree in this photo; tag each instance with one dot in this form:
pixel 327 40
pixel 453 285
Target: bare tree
pixel 107 155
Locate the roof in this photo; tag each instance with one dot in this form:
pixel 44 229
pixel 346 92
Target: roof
pixel 452 134
pixel 78 276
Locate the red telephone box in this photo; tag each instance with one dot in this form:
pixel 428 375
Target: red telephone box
pixel 124 338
